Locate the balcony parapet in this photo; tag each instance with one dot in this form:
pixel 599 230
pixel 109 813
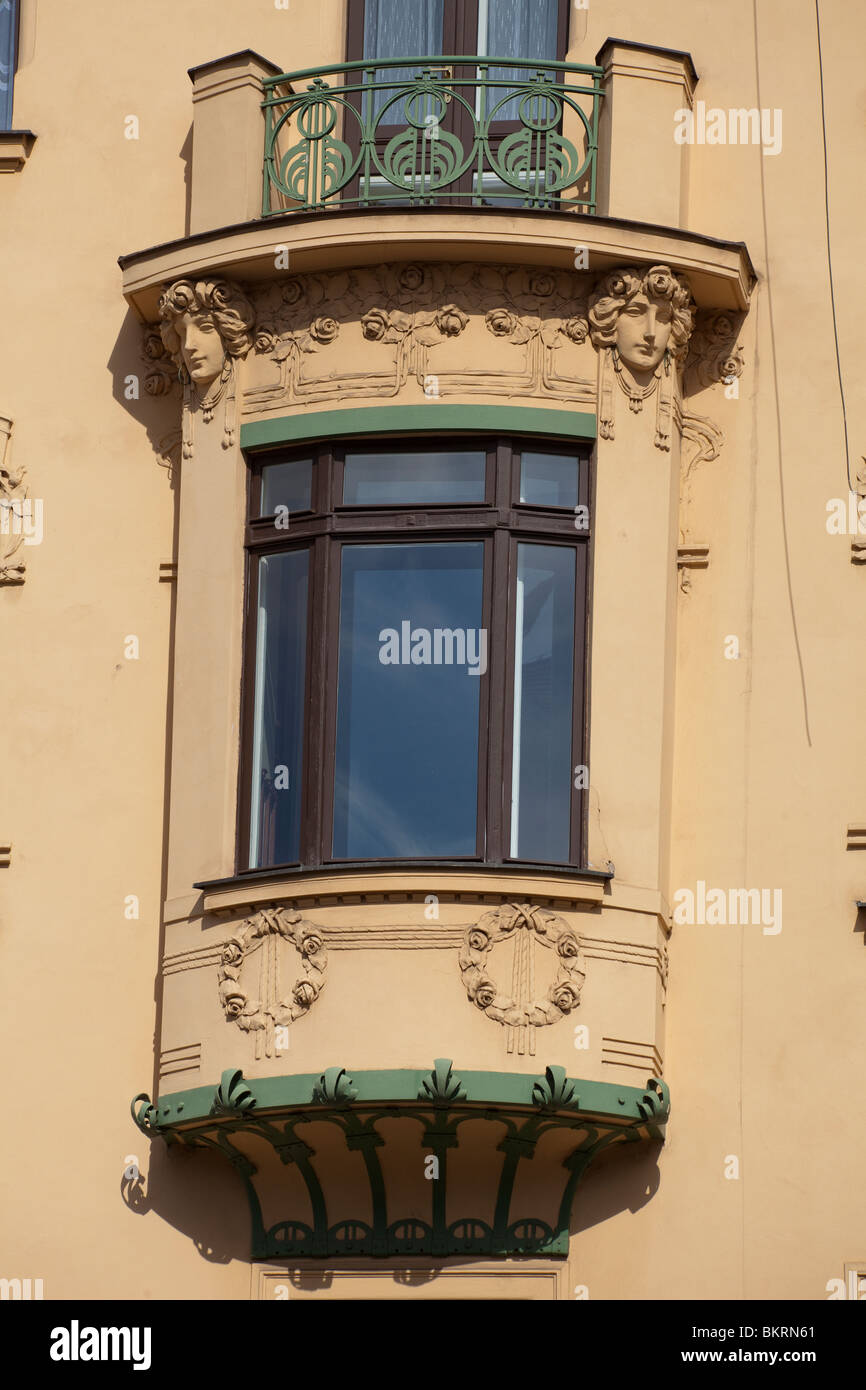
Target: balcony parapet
pixel 463 131
pixel 467 130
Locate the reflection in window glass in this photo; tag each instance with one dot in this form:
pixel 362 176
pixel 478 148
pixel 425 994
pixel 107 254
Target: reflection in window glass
pixel 281 641
pixel 549 480
pixel 416 478
pixel 287 485
pixel 543 690
pixel 411 652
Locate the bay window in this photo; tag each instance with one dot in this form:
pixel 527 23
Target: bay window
pixel 415 654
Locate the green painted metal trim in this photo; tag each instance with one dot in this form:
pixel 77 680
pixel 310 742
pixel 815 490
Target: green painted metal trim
pixel 459 59
pixel 432 417
pixel 594 1098
pixel 317 170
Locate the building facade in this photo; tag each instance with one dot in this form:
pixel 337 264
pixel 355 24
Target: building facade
pixel 427 535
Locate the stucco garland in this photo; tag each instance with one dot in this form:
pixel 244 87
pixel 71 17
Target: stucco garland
pixel 251 1014
pixel 548 929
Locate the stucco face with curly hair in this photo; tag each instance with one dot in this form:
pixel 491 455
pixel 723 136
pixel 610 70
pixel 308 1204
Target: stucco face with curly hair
pixel 203 322
pixel 643 331
pixel 642 316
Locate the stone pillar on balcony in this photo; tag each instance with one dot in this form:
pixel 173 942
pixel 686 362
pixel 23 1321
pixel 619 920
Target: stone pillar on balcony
pixel 643 171
pixel 228 139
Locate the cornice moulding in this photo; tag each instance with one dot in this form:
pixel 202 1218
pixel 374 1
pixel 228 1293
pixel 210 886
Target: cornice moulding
pixel 405 885
pixel 720 272
pixel 401 885
pixel 655 59
pixel 242 59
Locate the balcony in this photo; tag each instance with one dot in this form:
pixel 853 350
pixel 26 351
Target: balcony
pixel 465 132
pixel 453 158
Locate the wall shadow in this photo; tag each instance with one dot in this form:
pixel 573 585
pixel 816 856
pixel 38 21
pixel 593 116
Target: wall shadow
pixel 200 1195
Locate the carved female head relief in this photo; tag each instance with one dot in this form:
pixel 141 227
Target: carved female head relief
pixel 204 326
pixel 642 316
pixel 640 321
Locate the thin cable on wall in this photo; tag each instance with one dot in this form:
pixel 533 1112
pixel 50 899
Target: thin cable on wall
pixel 778 411
pixel 829 257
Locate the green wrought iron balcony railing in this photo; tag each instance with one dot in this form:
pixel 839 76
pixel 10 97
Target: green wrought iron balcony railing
pixel 464 131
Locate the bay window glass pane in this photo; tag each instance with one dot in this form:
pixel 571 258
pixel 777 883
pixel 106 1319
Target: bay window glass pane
pixel 411 654
pixel 415 478
pixel 287 484
pixel 278 727
pixel 549 480
pixel 541 782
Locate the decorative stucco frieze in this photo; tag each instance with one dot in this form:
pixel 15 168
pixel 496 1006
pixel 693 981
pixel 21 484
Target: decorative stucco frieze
pixel 433 330
pixel 373 330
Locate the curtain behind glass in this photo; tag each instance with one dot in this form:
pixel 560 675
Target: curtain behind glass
pixel 400 29
pixel 8 33
pixel 517 29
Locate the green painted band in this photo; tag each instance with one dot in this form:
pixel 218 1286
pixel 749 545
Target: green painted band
pixel 433 417
pixel 597 1098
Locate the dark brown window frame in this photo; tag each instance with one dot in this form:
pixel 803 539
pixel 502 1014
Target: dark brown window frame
pixel 459 37
pixel 459 26
pixel 502 522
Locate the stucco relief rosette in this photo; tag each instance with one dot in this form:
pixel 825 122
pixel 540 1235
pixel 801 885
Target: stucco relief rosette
pixel 519 1011
pixel 270 1010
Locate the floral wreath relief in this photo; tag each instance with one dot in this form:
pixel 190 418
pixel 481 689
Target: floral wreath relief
pixel 519 1011
pixel 269 1010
